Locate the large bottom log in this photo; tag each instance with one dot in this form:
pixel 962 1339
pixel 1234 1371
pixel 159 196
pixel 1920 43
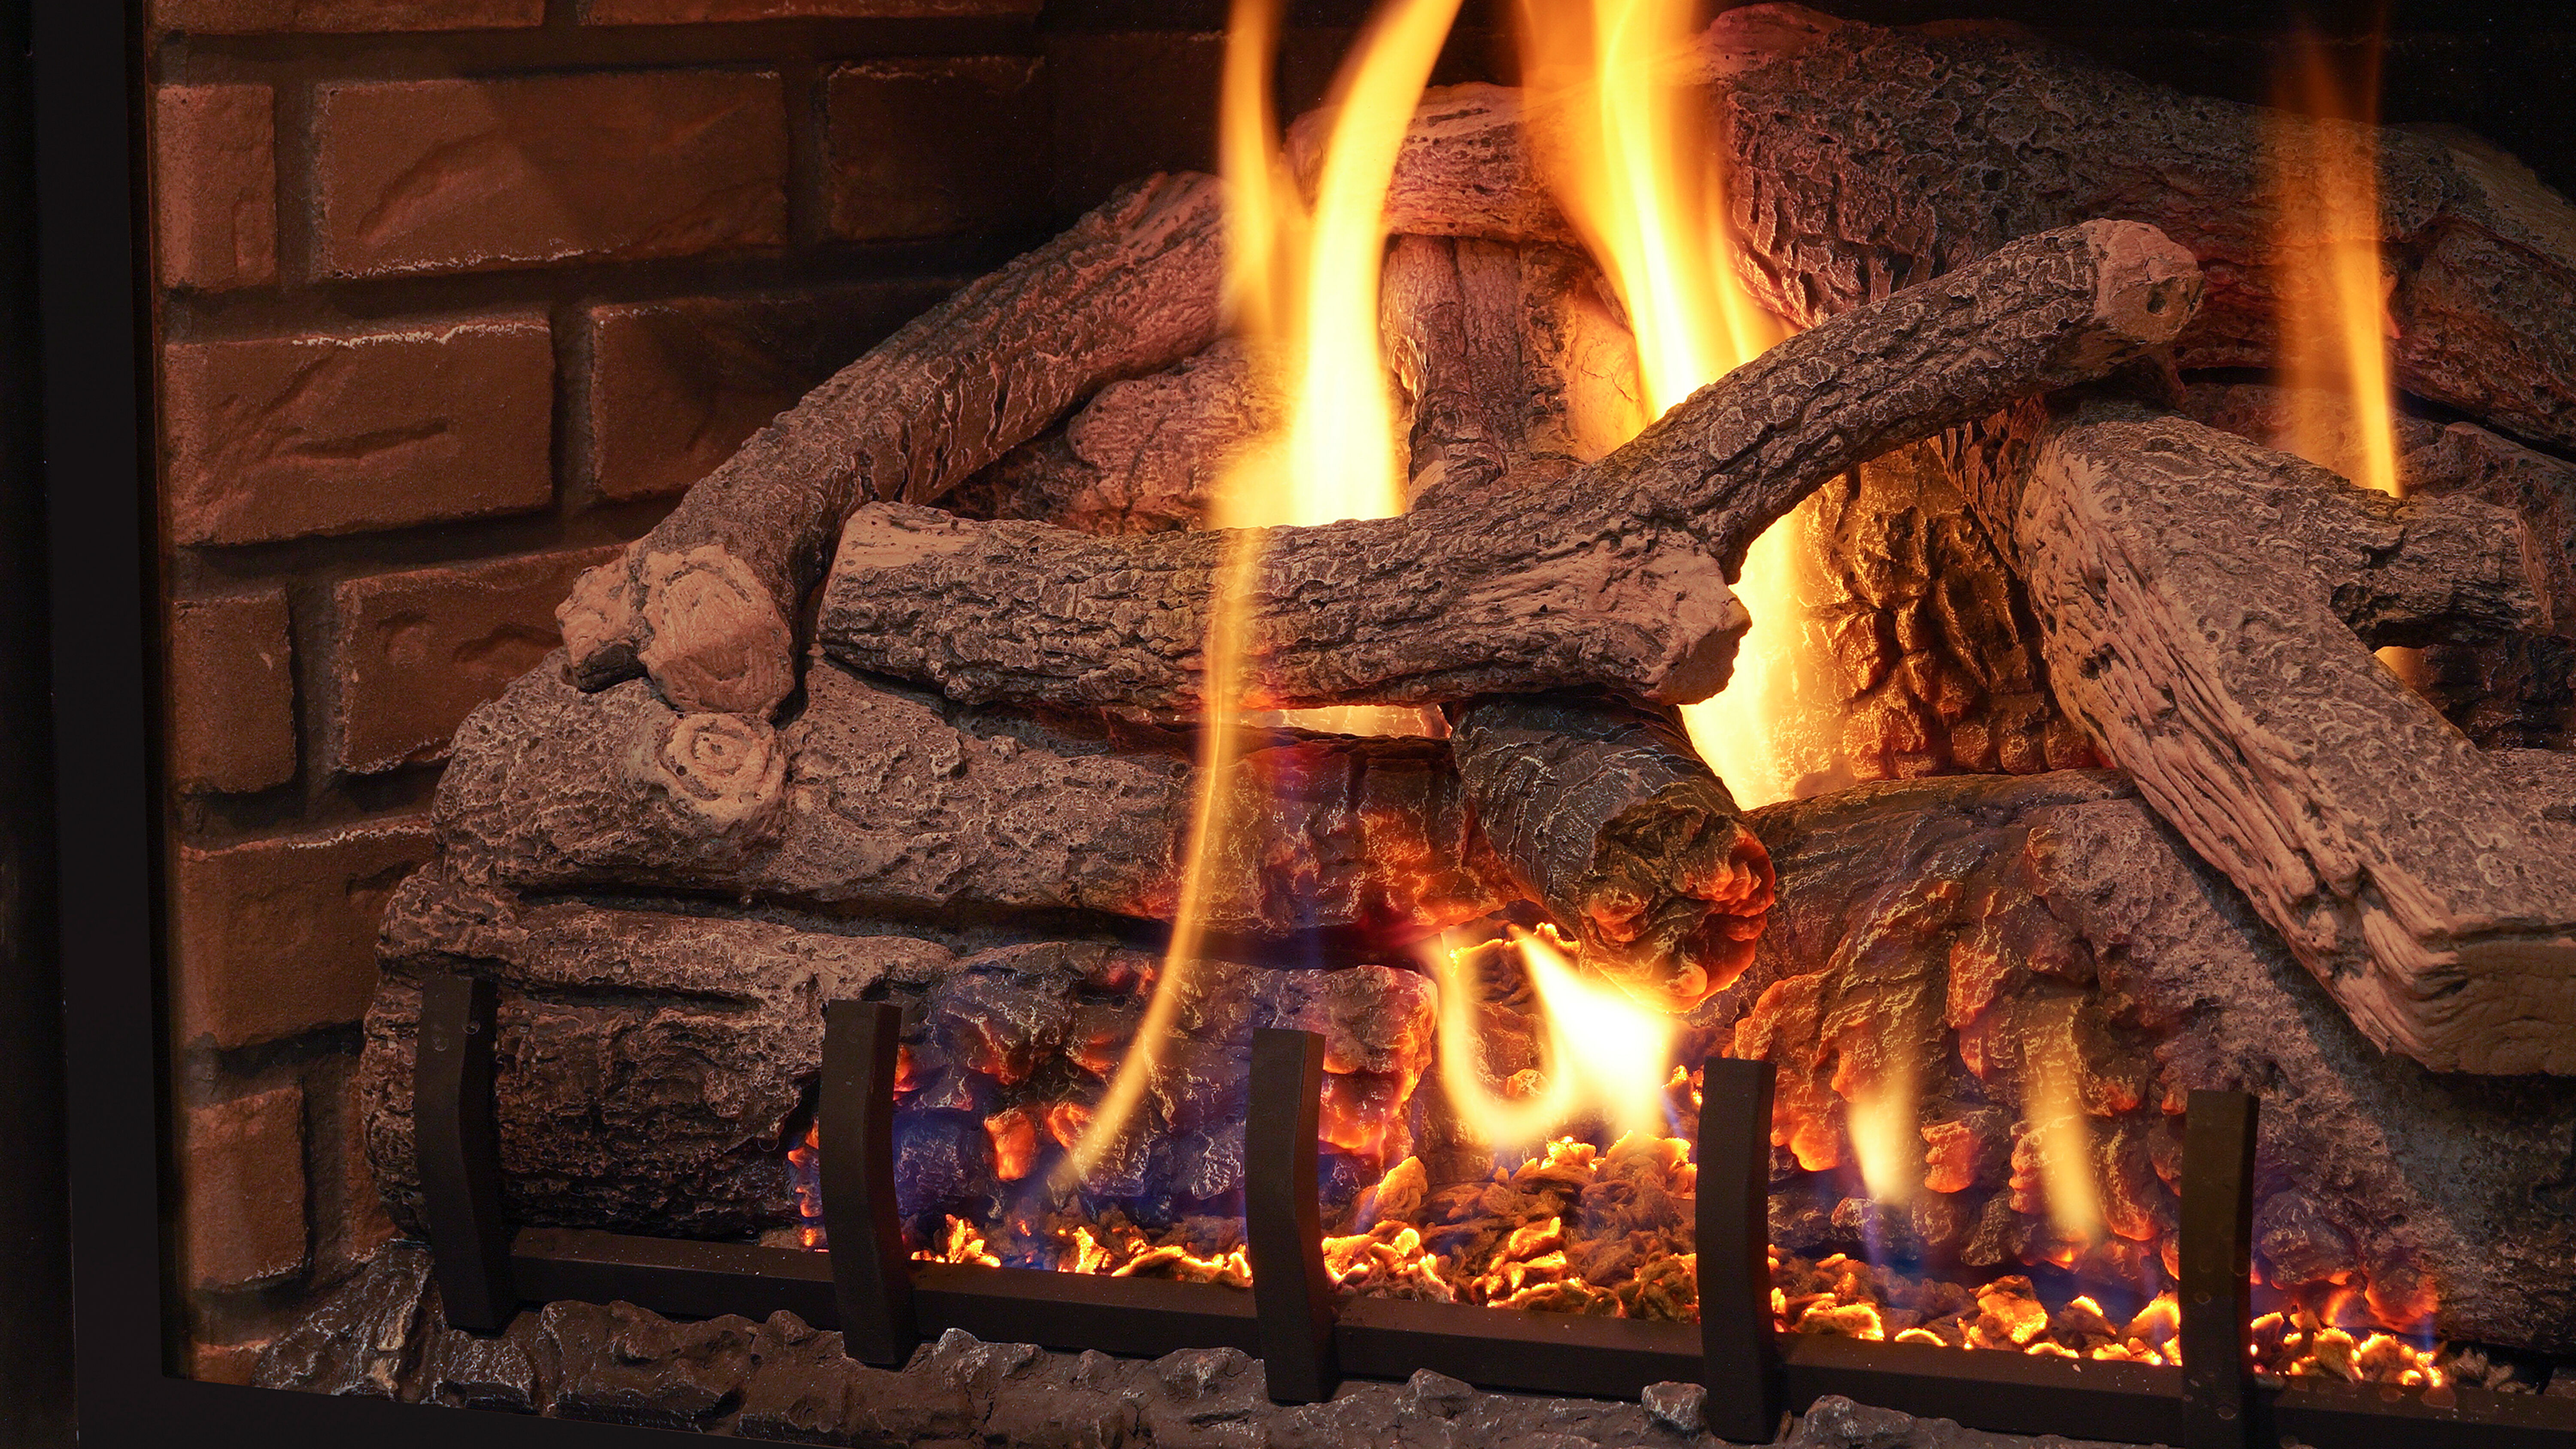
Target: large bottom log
pixel 652 1066
pixel 2028 949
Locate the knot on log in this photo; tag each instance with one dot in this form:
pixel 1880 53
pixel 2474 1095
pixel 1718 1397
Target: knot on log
pixel 724 766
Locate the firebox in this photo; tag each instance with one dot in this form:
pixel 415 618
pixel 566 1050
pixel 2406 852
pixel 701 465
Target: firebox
pixel 1073 723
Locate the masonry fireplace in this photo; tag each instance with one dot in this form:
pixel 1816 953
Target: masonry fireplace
pixel 930 722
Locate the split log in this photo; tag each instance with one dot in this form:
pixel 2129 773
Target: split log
pixel 1617 580
pixel 880 804
pixel 2513 693
pixel 1999 929
pixel 704 602
pixel 1863 159
pixel 1605 813
pixel 1141 457
pixel 647 1063
pixel 2205 606
pixel 652 1065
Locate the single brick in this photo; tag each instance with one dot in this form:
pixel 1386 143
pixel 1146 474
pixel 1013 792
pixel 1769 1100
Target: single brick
pixel 684 12
pixel 930 147
pixel 232 692
pixel 283 437
pixel 458 175
pixel 246 17
pixel 214 185
pixel 241 1215
pixel 413 653
pixel 277 937
pixel 676 386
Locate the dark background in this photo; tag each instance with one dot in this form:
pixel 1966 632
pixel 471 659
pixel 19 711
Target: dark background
pixel 1135 90
pixel 35 1262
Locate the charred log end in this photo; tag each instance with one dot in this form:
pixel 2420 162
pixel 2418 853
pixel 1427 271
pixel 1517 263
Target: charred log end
pixel 1677 898
pixel 714 638
pixel 2146 289
pixel 600 625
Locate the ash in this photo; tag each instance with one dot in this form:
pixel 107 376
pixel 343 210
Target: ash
pixel 382 1336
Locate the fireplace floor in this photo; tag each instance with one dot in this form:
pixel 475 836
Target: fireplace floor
pixel 382 1335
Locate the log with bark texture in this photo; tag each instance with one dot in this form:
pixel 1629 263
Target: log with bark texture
pixel 1615 580
pixel 1141 457
pixel 1863 159
pixel 1998 928
pixel 2205 606
pixel 704 602
pixel 2512 693
pixel 651 1062
pixel 878 803
pixel 1930 632
pixel 1604 812
pixel 647 1061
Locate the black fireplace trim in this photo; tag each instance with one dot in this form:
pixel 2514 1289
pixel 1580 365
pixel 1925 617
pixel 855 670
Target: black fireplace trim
pixel 1750 1371
pixel 111 893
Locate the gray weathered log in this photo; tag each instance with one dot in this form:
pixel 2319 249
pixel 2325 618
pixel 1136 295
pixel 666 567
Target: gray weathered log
pixel 1999 929
pixel 873 802
pixel 1617 579
pixel 704 602
pixel 1605 813
pixel 1862 159
pixel 648 1061
pixel 2205 606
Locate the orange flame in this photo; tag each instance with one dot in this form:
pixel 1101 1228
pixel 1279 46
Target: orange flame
pixel 2323 159
pixel 1629 155
pixel 1304 285
pixel 2334 323
pixel 1604 1052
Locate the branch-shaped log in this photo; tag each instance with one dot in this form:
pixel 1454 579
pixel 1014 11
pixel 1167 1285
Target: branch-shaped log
pixel 1143 456
pixel 703 601
pixel 1862 159
pixel 2206 606
pixel 1616 580
pixel 882 803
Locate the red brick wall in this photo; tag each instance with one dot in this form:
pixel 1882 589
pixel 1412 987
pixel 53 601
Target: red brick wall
pixel 454 297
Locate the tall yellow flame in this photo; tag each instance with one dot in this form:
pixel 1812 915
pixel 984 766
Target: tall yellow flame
pixel 2056 1113
pixel 2323 159
pixel 1604 1052
pixel 2334 325
pixel 1630 154
pixel 1303 283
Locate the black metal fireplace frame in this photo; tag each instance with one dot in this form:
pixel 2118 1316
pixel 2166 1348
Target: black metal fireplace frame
pixel 129 1324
